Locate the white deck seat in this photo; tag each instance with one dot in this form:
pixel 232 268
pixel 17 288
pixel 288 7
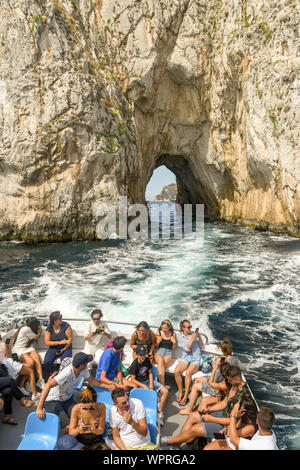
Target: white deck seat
pixel 78 344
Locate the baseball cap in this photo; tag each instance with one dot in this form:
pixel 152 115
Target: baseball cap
pixel 141 351
pixel 68 442
pixel 81 358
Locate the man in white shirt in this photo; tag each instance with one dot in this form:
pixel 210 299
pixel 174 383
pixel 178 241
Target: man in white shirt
pixel 57 394
pixel 127 419
pixel 264 439
pixel 96 335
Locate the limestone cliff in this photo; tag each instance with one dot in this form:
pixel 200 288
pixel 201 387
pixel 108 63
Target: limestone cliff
pixel 168 193
pixel 95 94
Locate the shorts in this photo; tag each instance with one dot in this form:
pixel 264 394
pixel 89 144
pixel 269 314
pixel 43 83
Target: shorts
pixel 211 428
pixel 157 385
pixel 191 359
pixel 164 352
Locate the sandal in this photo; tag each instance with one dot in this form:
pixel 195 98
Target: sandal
pixel 178 399
pixel 9 420
pixel 26 402
pixel 182 402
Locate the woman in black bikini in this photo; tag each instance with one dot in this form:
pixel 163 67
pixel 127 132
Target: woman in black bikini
pixel 166 342
pixel 87 421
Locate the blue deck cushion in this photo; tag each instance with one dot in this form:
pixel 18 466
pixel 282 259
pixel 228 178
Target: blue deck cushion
pixel 149 399
pixel 40 434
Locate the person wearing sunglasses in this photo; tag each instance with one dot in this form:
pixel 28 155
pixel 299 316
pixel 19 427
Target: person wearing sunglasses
pixel 87 421
pixel 190 341
pixel 127 419
pixel 96 336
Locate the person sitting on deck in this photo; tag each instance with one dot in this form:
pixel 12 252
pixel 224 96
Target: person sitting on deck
pixel 57 394
pixel 127 419
pixel 87 421
pixel 190 341
pixel 58 336
pixel 17 369
pixel 245 422
pixel 264 439
pixel 8 388
pixel 143 336
pixel 96 333
pixel 218 416
pixel 209 387
pixel 142 376
pixel 23 348
pixel 166 342
pixel 108 371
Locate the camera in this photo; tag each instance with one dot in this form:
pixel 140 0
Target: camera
pixel 99 330
pixel 219 435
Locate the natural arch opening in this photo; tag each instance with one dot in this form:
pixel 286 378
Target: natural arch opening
pixel 162 186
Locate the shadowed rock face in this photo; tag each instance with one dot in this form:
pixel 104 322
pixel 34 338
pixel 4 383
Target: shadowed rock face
pixel 94 95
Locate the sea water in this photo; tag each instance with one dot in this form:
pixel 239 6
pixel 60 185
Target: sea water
pixel 237 282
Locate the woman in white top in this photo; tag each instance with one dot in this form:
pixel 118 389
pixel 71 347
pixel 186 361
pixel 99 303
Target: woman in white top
pixel 22 346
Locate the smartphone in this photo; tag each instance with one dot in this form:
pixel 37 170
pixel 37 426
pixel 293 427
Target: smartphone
pixel 196 330
pixel 219 435
pixel 85 426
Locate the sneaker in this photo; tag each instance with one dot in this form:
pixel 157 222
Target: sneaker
pixel 36 397
pixel 24 391
pixel 161 418
pixel 27 387
pixel 41 383
pixel 164 441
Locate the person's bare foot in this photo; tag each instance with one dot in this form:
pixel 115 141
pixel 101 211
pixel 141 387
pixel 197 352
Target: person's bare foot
pixel 185 411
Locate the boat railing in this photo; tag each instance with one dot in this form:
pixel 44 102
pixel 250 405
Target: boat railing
pixel 129 324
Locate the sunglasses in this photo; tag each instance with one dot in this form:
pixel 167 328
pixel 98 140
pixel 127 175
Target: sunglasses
pixel 89 408
pixel 96 318
pixel 188 326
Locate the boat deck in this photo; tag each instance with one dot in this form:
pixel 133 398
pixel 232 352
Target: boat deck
pixel 11 436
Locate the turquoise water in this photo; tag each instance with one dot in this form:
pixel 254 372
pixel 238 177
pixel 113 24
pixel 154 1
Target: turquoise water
pixel 239 282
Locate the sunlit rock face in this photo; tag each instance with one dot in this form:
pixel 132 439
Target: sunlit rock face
pixel 95 94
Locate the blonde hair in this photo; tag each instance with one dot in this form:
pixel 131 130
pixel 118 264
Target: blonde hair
pixel 88 394
pixel 168 323
pixel 226 346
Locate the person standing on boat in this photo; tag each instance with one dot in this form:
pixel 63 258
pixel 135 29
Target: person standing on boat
pixel 190 342
pixel 95 335
pixel 143 336
pixel 57 394
pixel 166 342
pixel 58 336
pixel 22 346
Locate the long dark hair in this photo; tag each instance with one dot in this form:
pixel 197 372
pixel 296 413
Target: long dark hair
pixel 251 411
pixel 33 323
pixel 55 316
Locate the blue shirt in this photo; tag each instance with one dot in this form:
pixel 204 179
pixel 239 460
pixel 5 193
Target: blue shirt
pixel 58 336
pixel 183 341
pixel 109 361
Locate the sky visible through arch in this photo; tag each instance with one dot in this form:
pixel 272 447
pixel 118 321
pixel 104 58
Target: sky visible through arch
pixel 161 177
